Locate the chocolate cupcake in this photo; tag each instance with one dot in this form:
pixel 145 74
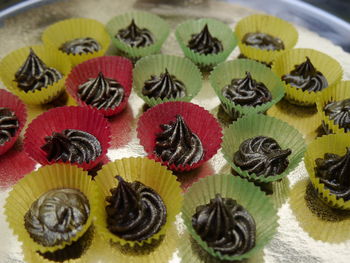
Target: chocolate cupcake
pixel 134 36
pixel 79 46
pixel 339 113
pixel 205 43
pixel 263 41
pixel 8 125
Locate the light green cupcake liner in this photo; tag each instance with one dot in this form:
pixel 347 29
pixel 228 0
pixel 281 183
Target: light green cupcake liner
pixel 246 194
pixel 182 68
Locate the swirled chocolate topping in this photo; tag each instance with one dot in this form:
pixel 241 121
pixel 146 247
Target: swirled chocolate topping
pixel 334 171
pixel 339 112
pixel 226 226
pixel 262 156
pixel 205 43
pixel 135 211
pixel 135 36
pixel 57 216
pixel 306 77
pixel 35 75
pixel 177 144
pixel 80 46
pixel 101 92
pixel 165 86
pixel 72 146
pixel 8 125
pixel 247 92
pixel 263 41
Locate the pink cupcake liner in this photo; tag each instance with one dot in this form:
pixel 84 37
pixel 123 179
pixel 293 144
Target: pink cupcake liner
pixel 114 67
pixel 61 118
pixel 199 120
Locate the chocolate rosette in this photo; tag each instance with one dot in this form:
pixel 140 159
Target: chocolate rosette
pixel 8 125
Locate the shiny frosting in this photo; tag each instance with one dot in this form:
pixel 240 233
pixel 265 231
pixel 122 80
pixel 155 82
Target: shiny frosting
pixel 306 77
pixel 204 43
pixel 263 41
pixel 247 92
pixel 135 36
pixel 80 46
pixel 73 146
pixel 339 112
pixel 57 216
pixel 262 156
pixel 8 125
pixel 135 212
pixel 225 226
pixel 101 92
pixel 176 144
pixel 34 74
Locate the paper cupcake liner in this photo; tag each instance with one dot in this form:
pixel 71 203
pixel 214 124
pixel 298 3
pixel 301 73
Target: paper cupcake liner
pixel 223 74
pixel 261 125
pixel 61 32
pixel 182 68
pixel 59 119
pixel 148 172
pixel 269 25
pixel 158 27
pixel 217 29
pixel 333 143
pixel 246 194
pixel 35 184
pixel 51 57
pixel 328 66
pixel 10 101
pixel 114 67
pixel 199 120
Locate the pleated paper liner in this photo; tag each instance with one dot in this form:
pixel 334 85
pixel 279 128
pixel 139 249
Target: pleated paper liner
pixel 182 68
pixel 246 194
pixel 151 174
pixel 199 121
pixel 12 102
pixel 333 143
pixel 35 184
pixel 156 25
pixel 261 125
pixel 10 64
pixel 59 119
pixel 217 29
pixel 328 66
pixel 223 74
pixel 114 67
pixel 269 25
pixel 61 32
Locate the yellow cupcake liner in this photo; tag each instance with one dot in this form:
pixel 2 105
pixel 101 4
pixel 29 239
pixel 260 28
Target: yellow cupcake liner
pixel 69 29
pixel 148 172
pixel 33 185
pixel 270 25
pixel 328 66
pixel 10 64
pixel 333 143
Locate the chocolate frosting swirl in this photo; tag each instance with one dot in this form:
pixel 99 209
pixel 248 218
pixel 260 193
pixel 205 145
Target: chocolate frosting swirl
pixel 57 216
pixel 101 92
pixel 334 171
pixel 74 146
pixel 339 112
pixel 225 225
pixel 135 211
pixel 35 75
pixel 262 156
pixel 247 92
pixel 135 36
pixel 165 86
pixel 8 125
pixel 306 77
pixel 205 43
pixel 80 46
pixel 263 41
pixel 177 144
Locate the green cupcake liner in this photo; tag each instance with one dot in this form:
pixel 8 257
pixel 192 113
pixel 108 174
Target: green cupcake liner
pixel 246 194
pixel 158 27
pixel 261 125
pixel 182 68
pixel 217 29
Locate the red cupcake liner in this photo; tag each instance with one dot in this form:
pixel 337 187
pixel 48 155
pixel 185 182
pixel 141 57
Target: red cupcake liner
pixel 114 67
pixel 199 120
pixel 61 118
pixel 12 102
